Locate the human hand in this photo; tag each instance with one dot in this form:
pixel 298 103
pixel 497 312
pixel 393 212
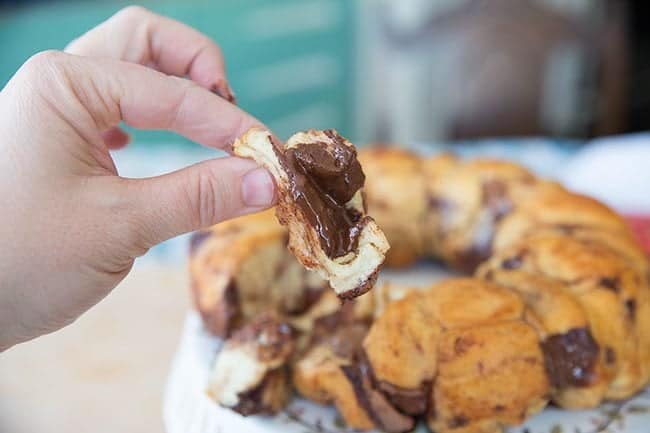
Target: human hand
pixel 71 227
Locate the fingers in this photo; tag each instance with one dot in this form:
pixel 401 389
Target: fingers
pixel 115 138
pixel 197 196
pixel 95 94
pixel 139 36
pixel 110 91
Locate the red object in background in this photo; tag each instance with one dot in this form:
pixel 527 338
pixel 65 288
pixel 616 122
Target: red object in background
pixel 640 225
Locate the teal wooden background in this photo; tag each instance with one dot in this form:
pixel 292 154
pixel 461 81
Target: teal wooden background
pixel 289 61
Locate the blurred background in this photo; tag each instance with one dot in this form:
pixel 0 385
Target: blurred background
pixel 473 76
pixel 400 70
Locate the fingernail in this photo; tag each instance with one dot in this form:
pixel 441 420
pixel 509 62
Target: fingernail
pixel 223 89
pixel 231 94
pixel 257 188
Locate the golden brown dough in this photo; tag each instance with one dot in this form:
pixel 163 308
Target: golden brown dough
pixel 559 308
pixel 396 198
pixel 467 202
pixel 462 352
pixel 250 374
pixel 241 268
pixel 580 284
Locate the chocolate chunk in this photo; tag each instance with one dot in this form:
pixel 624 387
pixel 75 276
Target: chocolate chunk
pixel 323 177
pixel 570 358
pixel 610 283
pixel 335 169
pixel 197 238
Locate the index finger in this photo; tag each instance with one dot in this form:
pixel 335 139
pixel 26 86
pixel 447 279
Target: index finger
pixel 137 35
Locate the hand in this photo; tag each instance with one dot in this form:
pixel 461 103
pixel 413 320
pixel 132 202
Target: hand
pixel 71 227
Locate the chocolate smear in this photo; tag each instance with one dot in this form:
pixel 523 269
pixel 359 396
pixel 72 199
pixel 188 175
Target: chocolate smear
pixel 323 177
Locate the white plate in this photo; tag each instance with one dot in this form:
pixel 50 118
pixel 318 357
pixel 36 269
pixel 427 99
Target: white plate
pixel 187 409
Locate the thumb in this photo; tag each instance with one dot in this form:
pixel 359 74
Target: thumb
pixel 194 197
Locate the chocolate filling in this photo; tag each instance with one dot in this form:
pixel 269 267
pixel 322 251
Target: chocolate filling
pixel 497 204
pixel 338 332
pixel 323 177
pixel 265 397
pixel 611 283
pixel 222 320
pixel 373 401
pixel 273 337
pixel 514 262
pixel 570 358
pixel 409 401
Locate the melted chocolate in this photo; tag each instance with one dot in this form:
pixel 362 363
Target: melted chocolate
pixel 261 399
pixel 323 177
pixel 373 401
pixel 408 401
pixel 570 358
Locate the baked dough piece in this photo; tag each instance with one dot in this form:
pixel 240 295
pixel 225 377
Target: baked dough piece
pixel 582 292
pixel 331 372
pixel 318 375
pixel 467 200
pixel 548 206
pixel 560 308
pixel 460 352
pixel 250 374
pixel 241 267
pixel 320 201
pixel 396 198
